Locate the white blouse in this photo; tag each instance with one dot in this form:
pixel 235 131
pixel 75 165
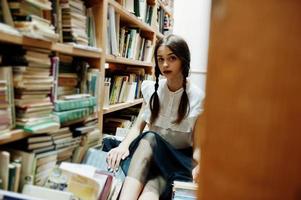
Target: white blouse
pixel 178 135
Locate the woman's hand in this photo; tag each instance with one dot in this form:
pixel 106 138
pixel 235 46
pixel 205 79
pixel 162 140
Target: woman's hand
pixel 195 173
pixel 115 155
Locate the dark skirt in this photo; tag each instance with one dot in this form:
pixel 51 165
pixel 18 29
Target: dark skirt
pixel 172 164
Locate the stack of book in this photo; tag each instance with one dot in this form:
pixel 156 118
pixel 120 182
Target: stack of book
pixel 65 144
pixel 74 108
pixel 36 143
pixel 67 77
pixel 28 18
pixel 74 22
pixel 33 85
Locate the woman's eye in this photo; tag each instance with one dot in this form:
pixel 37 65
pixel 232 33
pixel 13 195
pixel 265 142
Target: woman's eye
pixel 172 58
pixel 160 59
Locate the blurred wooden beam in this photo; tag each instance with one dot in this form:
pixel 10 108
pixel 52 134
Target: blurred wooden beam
pixel 252 147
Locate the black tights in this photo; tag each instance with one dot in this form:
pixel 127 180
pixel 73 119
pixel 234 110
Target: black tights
pixel 141 162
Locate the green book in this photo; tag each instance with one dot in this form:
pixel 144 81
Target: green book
pixel 64 105
pixel 72 115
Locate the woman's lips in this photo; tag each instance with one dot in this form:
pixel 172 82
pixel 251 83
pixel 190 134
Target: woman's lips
pixel 166 72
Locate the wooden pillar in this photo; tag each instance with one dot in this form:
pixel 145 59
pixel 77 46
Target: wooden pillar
pixel 252 148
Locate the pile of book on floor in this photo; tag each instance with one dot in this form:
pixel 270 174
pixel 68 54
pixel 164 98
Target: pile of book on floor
pixel 184 190
pixel 69 181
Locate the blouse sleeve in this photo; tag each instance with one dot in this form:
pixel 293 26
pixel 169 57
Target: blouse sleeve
pixel 147 89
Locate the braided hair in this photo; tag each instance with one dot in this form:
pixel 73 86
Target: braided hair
pixel 180 48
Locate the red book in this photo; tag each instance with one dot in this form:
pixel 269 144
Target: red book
pixel 107 187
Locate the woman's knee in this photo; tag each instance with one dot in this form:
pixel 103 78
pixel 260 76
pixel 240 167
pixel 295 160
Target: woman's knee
pixel 150 137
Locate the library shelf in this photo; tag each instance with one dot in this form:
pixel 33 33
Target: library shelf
pixel 119 106
pixel 58 47
pixel 122 60
pixel 13 135
pixel 76 51
pixel 130 18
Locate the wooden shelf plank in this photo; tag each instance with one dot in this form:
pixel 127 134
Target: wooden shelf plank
pixel 12 136
pixel 117 59
pixel 127 16
pixel 75 51
pixel 9 38
pixel 58 47
pixel 116 107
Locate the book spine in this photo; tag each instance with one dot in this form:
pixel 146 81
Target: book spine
pixel 72 115
pixel 64 105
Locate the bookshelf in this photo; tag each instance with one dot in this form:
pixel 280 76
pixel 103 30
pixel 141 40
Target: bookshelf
pixel 122 60
pixel 69 62
pixel 57 47
pixel 97 55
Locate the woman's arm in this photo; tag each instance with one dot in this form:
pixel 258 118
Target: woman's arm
pixel 135 130
pixel 196 169
pixel 198 137
pixel 122 151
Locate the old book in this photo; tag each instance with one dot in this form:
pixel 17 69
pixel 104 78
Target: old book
pixel 184 190
pixel 45 193
pixel 87 182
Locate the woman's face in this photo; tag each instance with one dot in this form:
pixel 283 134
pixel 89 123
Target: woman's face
pixel 169 64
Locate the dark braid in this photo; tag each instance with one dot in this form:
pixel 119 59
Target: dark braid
pixel 154 100
pixel 184 107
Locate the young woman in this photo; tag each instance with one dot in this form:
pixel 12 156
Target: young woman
pixel 170 109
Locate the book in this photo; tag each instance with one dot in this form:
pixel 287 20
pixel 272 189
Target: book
pixel 184 190
pixel 28 165
pixel 83 181
pixel 7 195
pixel 63 105
pixel 46 193
pixel 97 158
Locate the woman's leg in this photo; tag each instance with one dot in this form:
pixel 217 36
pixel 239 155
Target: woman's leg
pixel 153 189
pixel 139 168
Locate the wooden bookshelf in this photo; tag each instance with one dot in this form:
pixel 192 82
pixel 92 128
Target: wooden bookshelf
pixel 12 136
pixel 118 59
pixel 76 51
pixel 116 107
pixel 57 47
pixel 130 18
